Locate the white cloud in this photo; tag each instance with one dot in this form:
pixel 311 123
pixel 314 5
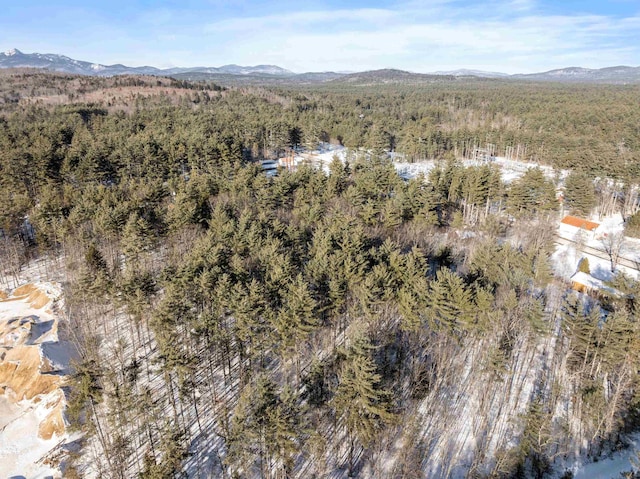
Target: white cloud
pixel 512 35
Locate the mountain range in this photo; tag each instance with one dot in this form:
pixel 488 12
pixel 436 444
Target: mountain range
pixel 16 59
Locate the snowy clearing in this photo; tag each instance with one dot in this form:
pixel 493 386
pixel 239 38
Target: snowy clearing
pixel 510 169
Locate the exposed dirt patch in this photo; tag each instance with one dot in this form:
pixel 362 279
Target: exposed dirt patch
pixel 32 366
pixel 37 298
pixel 54 423
pixel 21 373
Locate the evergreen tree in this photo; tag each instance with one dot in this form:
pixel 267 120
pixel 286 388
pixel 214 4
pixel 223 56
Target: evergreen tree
pixel 579 193
pixel 581 328
pixel 532 194
pixel 361 405
pixel 296 319
pixel 632 226
pixel 285 433
pixel 536 438
pixel 451 303
pixel 250 426
pixel 338 177
pixel 136 237
pixel 583 265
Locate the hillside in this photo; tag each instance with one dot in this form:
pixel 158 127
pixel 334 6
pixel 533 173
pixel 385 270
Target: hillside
pixel 14 58
pixel 611 75
pixel 332 318
pixel 392 76
pixel 274 75
pixel 28 86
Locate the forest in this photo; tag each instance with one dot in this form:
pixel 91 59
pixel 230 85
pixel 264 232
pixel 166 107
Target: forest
pixel 349 324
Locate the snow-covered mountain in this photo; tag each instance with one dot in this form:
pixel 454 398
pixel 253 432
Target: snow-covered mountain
pixel 616 74
pixel 14 58
pixel 258 69
pixel 609 75
pixel 474 73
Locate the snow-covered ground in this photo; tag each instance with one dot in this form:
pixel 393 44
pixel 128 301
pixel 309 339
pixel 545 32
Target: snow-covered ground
pixel 611 466
pixel 466 417
pixel 567 256
pixel 32 366
pixel 511 169
pixel 565 261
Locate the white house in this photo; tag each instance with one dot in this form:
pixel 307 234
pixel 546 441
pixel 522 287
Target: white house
pixel 572 226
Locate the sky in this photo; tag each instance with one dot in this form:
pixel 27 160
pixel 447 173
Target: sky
pixel 510 36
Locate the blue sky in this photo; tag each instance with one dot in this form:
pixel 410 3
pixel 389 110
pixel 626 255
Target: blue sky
pixel 511 36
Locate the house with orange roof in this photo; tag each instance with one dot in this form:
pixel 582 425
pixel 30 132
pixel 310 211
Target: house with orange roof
pixel 572 226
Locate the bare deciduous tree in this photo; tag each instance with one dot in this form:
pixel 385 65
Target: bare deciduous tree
pixel 612 244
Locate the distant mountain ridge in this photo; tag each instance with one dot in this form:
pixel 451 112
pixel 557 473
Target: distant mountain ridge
pixel 390 75
pixel 472 73
pixel 14 58
pixel 617 74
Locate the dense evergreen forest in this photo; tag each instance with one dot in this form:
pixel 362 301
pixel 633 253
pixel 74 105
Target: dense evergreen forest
pixel 350 324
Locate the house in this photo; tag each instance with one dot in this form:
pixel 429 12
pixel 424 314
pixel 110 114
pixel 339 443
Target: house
pixel 572 226
pixel 270 167
pixel 288 161
pixel 585 283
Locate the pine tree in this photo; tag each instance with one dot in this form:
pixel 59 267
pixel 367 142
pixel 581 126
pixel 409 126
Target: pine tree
pixel 581 328
pixel 136 238
pixel 311 136
pixel 579 194
pixel 632 226
pixel 362 407
pixel 532 194
pixel 296 320
pixel 338 177
pixel 378 141
pixel 410 308
pixel 316 384
pixel 285 431
pixel 583 266
pixel 536 438
pixel 451 303
pixel 247 304
pixel 250 426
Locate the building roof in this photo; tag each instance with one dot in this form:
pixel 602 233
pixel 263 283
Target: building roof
pixel 587 280
pixel 579 223
pixel 593 283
